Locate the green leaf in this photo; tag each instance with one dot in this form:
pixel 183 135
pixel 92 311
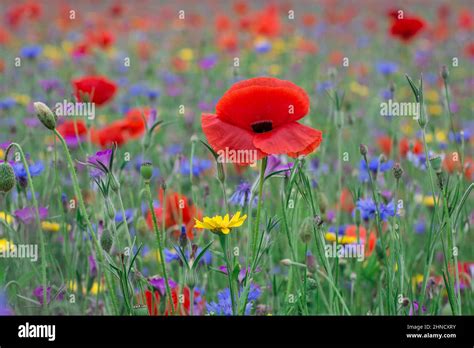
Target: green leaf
pixel 201 254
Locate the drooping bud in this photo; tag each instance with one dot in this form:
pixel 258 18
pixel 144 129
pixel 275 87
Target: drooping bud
pixel 45 115
pixel 7 177
pixel 444 72
pixel 363 149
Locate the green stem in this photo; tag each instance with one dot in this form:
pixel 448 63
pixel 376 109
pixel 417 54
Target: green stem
pixel 225 249
pixel 83 211
pixel 160 247
pixel 37 218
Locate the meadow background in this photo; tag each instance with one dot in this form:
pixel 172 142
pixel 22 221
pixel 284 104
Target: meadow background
pixel 169 62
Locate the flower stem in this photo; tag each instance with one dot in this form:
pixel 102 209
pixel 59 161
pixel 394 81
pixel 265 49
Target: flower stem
pixel 225 249
pixel 160 247
pixel 37 218
pixel 83 211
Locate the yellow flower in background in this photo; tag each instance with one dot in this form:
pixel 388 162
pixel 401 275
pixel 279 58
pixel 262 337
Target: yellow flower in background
pixel 428 201
pixel 186 54
pixel 2 153
pixel 407 128
pixel 274 69
pixel 435 110
pixel 219 224
pixel 67 46
pixel 72 286
pixel 52 226
pixel 431 96
pixel 52 52
pixel 359 89
pixel 279 46
pixel 331 237
pixel 441 136
pixel 6 217
pixel 21 99
pixel 153 255
pixel 5 244
pixel 417 279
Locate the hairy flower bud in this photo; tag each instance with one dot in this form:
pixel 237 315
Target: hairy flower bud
pixel 106 240
pixel 7 177
pixel 146 171
pixel 397 171
pixel 363 149
pixel 45 115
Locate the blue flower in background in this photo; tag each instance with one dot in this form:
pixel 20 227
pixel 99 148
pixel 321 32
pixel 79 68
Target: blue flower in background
pixel 7 103
pixel 386 67
pixel 20 171
pixel 324 86
pixel 368 208
pixel 241 196
pixel 128 215
pixel 375 166
pixel 223 306
pixel 199 166
pixel 31 51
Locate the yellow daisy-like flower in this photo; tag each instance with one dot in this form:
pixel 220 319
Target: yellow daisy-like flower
pixel 331 237
pixel 219 224
pixel 5 244
pixel 360 90
pixel 186 54
pixel 52 226
pixel 6 217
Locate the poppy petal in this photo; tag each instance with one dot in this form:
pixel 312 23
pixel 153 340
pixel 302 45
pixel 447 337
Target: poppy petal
pixel 293 139
pixel 262 99
pixel 224 136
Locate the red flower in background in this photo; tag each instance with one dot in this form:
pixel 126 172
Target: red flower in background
pixel 351 231
pixel 132 126
pixel 404 147
pixel 260 115
pixel 183 307
pixel 406 29
pixel 385 144
pixel 346 201
pixel 178 210
pixel 99 89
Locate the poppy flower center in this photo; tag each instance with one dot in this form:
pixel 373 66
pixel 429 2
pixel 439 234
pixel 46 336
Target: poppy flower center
pixel 262 126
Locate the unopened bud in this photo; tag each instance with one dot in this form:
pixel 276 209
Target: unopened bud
pixel 7 177
pixel 45 115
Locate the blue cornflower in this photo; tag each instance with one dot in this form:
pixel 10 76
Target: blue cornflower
pixel 128 216
pixel 457 136
pixel 368 208
pixel 171 255
pixel 31 51
pixel 7 103
pixel 223 306
pixel 323 86
pixel 386 67
pixel 375 166
pixel 20 171
pixel 263 46
pixel 199 166
pixel 420 226
pixel 241 196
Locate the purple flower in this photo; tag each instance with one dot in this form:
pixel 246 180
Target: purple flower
pixel 208 62
pixel 241 196
pixel 92 266
pixel 38 293
pixel 275 164
pixel 97 160
pixel 223 306
pixel 4 308
pixel 159 284
pixel 27 215
pixel 414 308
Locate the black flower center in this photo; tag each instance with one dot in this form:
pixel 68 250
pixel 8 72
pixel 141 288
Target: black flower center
pixel 262 126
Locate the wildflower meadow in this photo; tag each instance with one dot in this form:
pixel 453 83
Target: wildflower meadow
pixel 236 158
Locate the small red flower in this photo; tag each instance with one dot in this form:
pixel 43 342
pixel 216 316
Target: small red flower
pixel 406 29
pixel 68 129
pixel 178 210
pixel 260 115
pixel 351 231
pixel 404 147
pixel 98 88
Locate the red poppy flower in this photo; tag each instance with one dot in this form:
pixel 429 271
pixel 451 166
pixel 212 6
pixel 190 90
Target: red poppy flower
pixel 261 115
pixel 406 29
pixel 110 134
pixel 346 201
pixel 404 147
pixel 267 22
pixel 98 88
pixel 351 231
pixel 152 301
pixel 178 210
pixel 385 144
pixel 135 121
pixel 68 129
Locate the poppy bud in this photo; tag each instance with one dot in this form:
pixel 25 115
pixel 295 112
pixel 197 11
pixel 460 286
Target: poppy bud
pixel 146 171
pixel 363 149
pixel 45 115
pixel 311 283
pixel 140 310
pixel 7 177
pixel 306 230
pixel 190 278
pixel 444 72
pixel 397 171
pixel 436 163
pixel 323 203
pixel 106 240
pixel 142 227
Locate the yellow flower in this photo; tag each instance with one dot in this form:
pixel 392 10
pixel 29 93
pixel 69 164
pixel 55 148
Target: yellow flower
pixel 22 99
pixel 428 201
pixel 52 226
pixel 431 96
pixel 52 52
pixel 186 54
pixel 4 244
pixel 2 154
pixel 331 237
pixel 279 46
pixel 72 286
pixel 435 110
pixel 359 89
pixel 219 224
pixel 6 217
pixel 441 136
pixel 274 69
